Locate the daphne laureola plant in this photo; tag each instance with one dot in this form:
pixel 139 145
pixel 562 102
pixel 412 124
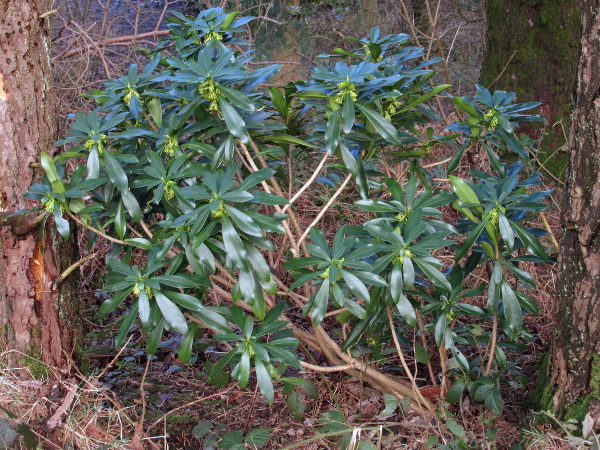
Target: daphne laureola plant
pixel 189 164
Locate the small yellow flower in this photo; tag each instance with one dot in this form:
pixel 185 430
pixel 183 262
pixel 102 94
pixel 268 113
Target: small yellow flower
pixel 220 212
pixel 169 192
pixel 129 93
pixel 403 216
pixel 208 90
pixel 170 145
pixel 212 35
pixel 49 204
pixel 492 118
pixel 345 87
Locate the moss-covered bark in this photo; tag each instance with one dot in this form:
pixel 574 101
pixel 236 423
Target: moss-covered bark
pixel 38 318
pixel 576 347
pixel 544 36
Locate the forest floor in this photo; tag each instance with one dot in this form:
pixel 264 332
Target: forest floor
pixel 175 405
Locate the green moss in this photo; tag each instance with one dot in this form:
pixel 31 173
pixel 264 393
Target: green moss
pixel 180 418
pixel 595 377
pixel 540 398
pixel 81 356
pixel 577 410
pixel 38 370
pixel 542 37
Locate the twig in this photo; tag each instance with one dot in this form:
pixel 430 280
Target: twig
pixel 488 368
pixel 439 163
pixel 71 268
pixel 109 42
pixel 98 232
pixel 425 346
pixel 325 208
pixel 148 361
pixel 187 405
pixel 56 419
pixel 502 71
pixel 330 369
pixel 121 350
pixel 411 377
pixel 308 183
pixel 549 230
pixel 95 45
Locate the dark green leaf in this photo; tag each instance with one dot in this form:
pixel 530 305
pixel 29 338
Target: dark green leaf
pixel 233 120
pixel 530 241
pixel 347 114
pixel 185 346
pixel 264 381
pixel 295 405
pixel 512 308
pixel 115 172
pixel 258 437
pixel 385 129
pixel 234 245
pixel 171 313
pixel 126 325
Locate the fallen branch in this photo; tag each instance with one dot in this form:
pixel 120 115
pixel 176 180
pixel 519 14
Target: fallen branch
pixel 109 42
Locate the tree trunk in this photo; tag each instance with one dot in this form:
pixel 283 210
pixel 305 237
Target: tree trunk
pixel 543 36
pixel 576 349
pixel 36 318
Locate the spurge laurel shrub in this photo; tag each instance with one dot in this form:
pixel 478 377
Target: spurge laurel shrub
pixel 188 166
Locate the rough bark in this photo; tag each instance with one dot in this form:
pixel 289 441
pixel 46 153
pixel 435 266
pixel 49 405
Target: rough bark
pixel 544 37
pixel 36 318
pixel 576 349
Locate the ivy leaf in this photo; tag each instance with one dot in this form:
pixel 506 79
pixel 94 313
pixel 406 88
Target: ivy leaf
pixel 391 403
pixel 202 429
pixel 295 405
pixel 258 437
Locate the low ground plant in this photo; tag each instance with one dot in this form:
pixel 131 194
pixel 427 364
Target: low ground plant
pixel 191 168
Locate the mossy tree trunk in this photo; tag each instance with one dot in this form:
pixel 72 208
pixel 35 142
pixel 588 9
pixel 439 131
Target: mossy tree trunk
pixel 575 365
pixel 37 317
pixel 544 37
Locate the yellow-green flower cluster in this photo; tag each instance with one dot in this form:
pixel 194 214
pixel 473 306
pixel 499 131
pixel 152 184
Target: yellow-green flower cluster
pixel 212 35
pixel 492 118
pixel 494 214
pixel 220 212
pixel 403 216
pixel 170 144
pixel 401 255
pixel 169 192
pixel 130 92
pixel 208 90
pixel 345 87
pixel 137 288
pixel 89 144
pixel 337 263
pixel 392 109
pixel 48 204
